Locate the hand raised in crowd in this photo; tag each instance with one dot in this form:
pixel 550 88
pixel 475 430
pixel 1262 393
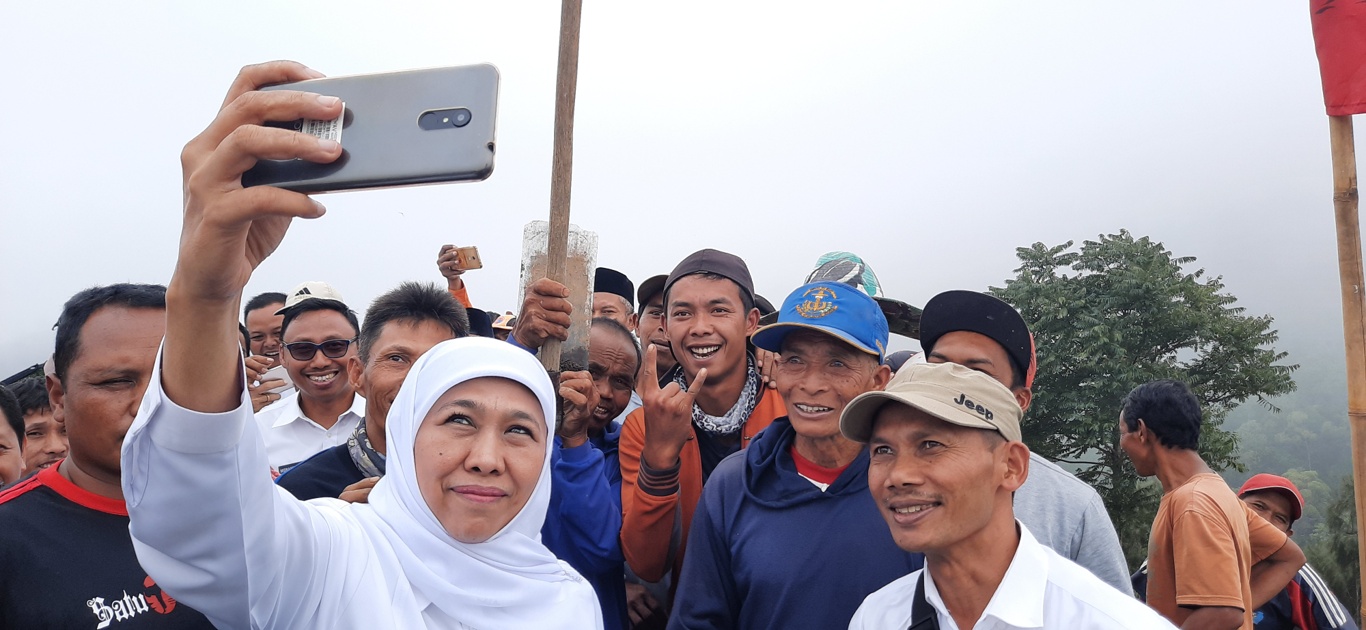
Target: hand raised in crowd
pixel 768 365
pixel 447 262
pixel 359 492
pixel 228 229
pixel 668 414
pixel 258 388
pixel 545 314
pixel 580 397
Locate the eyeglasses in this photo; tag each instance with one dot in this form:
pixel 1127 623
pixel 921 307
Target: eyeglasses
pixel 332 349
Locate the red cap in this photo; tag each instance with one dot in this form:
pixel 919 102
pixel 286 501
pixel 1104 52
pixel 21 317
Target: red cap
pixel 1264 481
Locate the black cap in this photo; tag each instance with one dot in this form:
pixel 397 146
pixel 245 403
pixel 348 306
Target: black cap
pixel 897 359
pixel 480 324
pixel 650 288
pixel 765 307
pixel 720 263
pixel 952 311
pixel 615 282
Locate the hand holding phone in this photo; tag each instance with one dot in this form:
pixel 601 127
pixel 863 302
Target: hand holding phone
pixel 453 261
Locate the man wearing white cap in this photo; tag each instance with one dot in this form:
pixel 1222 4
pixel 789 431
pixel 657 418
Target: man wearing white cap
pixel 319 333
pixel 945 458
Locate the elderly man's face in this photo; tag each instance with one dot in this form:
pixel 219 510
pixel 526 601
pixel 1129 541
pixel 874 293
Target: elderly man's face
pixel 935 483
pixel 817 375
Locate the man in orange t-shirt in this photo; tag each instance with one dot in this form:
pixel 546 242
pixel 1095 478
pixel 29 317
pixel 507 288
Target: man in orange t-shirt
pixel 1209 564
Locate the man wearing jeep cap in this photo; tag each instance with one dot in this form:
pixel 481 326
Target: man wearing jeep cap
pixel 945 459
pixel 987 335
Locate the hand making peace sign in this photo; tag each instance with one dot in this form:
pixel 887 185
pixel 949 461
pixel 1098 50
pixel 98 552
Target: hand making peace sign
pixel 668 414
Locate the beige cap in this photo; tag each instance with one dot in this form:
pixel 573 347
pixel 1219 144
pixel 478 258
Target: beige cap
pixel 948 391
pixel 311 290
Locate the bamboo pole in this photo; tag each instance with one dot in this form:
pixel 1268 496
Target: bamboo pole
pixel 562 158
pixel 1353 308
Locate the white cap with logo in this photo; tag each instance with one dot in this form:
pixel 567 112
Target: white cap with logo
pixel 311 290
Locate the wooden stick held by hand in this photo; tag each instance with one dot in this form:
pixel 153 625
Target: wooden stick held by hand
pixel 562 158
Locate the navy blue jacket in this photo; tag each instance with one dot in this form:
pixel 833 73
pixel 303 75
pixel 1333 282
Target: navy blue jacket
pixel 583 525
pixel 769 549
pixel 323 475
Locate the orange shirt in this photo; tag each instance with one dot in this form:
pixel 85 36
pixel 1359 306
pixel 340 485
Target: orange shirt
pixel 1203 544
pixel 462 295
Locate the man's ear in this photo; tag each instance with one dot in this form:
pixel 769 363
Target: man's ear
pixel 56 396
pixel 882 377
pixel 751 322
pixel 355 373
pixel 1023 396
pixel 1016 465
pixel 633 321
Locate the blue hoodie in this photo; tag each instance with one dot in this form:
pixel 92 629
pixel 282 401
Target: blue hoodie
pixel 769 549
pixel 583 524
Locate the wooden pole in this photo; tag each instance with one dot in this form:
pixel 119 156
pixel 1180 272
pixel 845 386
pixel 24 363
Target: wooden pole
pixel 1353 308
pixel 562 158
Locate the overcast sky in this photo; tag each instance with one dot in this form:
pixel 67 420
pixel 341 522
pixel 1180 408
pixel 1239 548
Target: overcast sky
pixel 932 138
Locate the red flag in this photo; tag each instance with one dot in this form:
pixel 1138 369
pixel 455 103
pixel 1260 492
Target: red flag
pixel 1340 40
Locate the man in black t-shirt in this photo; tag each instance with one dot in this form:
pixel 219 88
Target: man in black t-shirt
pixel 67 558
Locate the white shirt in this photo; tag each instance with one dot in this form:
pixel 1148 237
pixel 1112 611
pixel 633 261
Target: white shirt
pixel 1040 589
pixel 292 437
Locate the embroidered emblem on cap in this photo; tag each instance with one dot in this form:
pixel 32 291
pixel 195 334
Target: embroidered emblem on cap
pixel 304 291
pixel 817 307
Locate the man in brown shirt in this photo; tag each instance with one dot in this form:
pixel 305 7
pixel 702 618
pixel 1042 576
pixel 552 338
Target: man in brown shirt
pixel 1209 564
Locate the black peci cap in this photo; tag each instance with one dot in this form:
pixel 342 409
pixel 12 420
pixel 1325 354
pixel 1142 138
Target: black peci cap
pixel 615 282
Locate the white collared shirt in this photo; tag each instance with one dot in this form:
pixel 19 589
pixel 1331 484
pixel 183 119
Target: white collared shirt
pixel 292 437
pixel 1040 589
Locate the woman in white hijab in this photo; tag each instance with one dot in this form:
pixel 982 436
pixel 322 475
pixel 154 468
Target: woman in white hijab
pixel 450 538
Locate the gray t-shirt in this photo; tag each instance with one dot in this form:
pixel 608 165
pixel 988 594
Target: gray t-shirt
pixel 1068 515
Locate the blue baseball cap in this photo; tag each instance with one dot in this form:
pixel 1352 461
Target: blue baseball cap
pixel 833 308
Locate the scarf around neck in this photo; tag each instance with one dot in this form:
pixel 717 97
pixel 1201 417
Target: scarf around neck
pixel 733 420
pixel 367 460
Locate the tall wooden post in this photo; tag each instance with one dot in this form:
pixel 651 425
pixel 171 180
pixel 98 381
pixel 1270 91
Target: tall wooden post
pixel 1353 309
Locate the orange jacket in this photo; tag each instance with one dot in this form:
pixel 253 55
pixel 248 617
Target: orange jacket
pixel 647 520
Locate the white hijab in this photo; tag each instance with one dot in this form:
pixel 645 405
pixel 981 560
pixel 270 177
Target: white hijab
pixel 509 581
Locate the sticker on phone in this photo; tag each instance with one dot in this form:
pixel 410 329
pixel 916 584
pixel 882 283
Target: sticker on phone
pixel 324 129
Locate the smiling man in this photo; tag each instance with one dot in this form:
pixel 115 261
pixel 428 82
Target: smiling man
pixel 583 524
pixel 945 459
pixel 319 334
pixel 400 327
pixel 712 406
pixel 799 480
pixel 44 438
pixel 987 335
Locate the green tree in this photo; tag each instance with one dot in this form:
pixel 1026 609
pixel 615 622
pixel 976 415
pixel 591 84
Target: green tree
pixel 1117 313
pixel 1333 549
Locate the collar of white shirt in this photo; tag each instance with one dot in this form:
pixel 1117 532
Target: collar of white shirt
pixel 290 411
pixel 1019 599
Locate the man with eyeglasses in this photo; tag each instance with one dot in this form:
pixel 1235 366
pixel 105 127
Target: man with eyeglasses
pixel 319 333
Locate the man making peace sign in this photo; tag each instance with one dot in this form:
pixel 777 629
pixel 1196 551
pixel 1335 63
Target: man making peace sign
pixel 711 405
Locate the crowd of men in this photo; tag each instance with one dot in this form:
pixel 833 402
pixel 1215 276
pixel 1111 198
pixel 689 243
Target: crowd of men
pixel 720 463
pixel 710 471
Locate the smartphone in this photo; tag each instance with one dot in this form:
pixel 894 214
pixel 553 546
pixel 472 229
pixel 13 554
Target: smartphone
pixel 397 129
pixel 278 372
pixel 467 258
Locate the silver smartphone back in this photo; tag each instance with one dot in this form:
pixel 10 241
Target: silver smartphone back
pixel 398 129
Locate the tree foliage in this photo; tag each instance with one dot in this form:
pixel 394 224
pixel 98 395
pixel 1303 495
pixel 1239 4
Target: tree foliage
pixel 1114 314
pixel 1333 549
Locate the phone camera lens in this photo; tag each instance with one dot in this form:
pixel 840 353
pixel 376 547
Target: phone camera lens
pixel 460 117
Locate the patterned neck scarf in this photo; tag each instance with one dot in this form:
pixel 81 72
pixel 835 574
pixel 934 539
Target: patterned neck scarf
pixel 369 461
pixel 734 419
